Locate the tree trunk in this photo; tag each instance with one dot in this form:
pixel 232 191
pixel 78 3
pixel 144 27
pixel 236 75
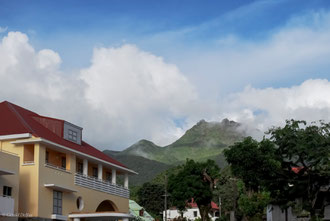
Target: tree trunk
pixel 204 211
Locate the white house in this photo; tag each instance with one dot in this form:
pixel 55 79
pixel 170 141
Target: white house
pixel 192 212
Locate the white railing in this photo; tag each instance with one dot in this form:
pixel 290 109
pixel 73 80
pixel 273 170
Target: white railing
pixel 6 205
pixel 100 185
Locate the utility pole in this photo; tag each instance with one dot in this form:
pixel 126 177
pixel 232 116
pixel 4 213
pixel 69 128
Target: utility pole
pixel 165 203
pixel 219 206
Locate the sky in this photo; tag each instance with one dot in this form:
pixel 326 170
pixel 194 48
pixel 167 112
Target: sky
pixel 131 70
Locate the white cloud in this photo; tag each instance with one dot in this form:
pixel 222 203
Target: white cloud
pixel 292 53
pixel 138 92
pixel 264 108
pixel 125 95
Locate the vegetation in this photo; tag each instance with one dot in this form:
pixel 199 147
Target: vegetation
pixel 205 140
pixel 293 165
pixel 196 181
pixel 151 197
pixel 146 168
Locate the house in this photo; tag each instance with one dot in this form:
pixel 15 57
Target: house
pixel 191 212
pixel 60 176
pixel 9 184
pixel 139 212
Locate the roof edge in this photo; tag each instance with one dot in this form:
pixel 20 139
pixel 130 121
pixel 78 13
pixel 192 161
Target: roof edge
pixel 15 136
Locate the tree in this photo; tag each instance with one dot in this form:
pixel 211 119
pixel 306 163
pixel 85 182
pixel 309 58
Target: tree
pixel 304 155
pixel 196 181
pixel 150 196
pixel 252 161
pixel 294 163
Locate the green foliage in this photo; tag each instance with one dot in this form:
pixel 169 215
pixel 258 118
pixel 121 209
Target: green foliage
pixel 294 163
pixel 146 168
pixel 306 148
pixel 150 196
pixel 253 205
pixel 251 161
pixel 228 190
pixel 205 140
pixel 190 182
pixel 201 142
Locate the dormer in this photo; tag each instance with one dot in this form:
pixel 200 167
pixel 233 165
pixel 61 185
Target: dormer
pixel 72 133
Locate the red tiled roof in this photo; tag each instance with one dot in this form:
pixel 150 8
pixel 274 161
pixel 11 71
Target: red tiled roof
pixel 296 169
pixel 193 204
pixel 16 120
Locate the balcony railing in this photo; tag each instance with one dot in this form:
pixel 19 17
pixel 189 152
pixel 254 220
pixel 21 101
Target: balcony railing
pixel 100 185
pixel 57 167
pixel 6 206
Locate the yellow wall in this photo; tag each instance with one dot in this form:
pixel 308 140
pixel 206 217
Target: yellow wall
pixel 37 200
pixel 28 177
pixel 91 198
pixel 10 162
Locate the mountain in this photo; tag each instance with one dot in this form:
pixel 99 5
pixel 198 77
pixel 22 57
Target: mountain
pixel 146 168
pixel 210 134
pixel 205 140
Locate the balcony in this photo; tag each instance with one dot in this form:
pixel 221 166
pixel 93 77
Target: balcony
pixel 6 206
pixel 57 167
pixel 100 185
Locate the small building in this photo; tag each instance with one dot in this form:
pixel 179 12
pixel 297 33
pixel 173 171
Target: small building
pixel 191 212
pixel 139 212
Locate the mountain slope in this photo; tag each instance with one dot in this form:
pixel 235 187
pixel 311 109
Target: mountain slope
pixel 202 141
pixel 146 168
pixel 210 134
pixel 205 140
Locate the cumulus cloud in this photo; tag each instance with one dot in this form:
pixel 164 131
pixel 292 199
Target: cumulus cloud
pixel 263 108
pixel 138 93
pixel 27 72
pixel 125 94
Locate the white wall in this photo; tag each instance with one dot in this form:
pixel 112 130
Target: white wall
pixel 188 214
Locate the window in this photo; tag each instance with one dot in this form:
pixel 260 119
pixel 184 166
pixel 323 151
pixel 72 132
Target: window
pixel 63 162
pixel 80 168
pixel 94 172
pixel 72 135
pixel 57 202
pixel 6 191
pixel 28 157
pixel 195 213
pixel 80 203
pixel 47 157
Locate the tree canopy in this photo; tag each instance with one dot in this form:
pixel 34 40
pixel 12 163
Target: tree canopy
pixel 293 163
pixel 196 181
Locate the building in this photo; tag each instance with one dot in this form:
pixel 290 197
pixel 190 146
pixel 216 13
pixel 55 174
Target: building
pixel 192 212
pixel 60 176
pixel 139 212
pixel 9 184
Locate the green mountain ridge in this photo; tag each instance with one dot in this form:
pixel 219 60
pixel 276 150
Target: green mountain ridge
pixel 205 140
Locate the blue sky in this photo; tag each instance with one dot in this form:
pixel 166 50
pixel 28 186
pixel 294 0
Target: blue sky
pixel 73 28
pixel 151 69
